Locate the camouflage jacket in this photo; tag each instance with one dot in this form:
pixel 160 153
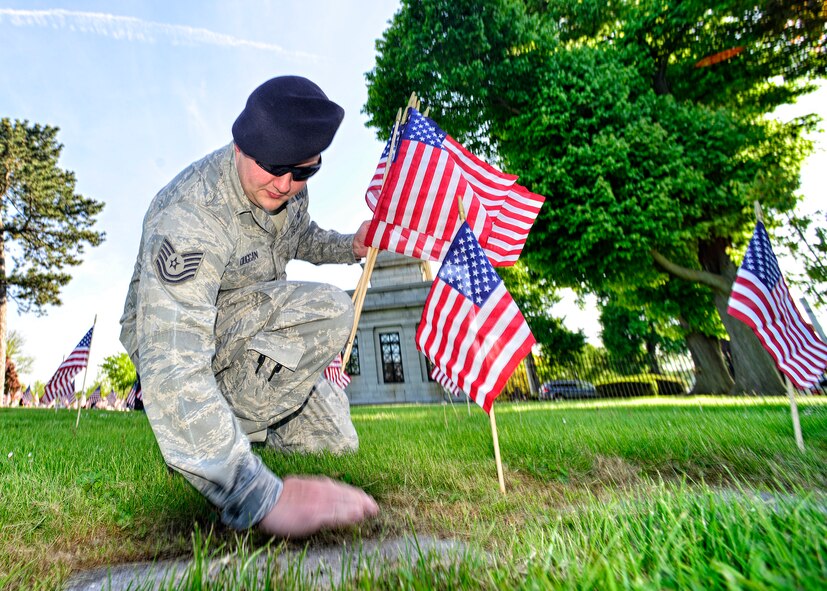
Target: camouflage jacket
pixel 202 236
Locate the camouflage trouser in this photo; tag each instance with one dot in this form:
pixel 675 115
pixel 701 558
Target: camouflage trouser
pixel 272 342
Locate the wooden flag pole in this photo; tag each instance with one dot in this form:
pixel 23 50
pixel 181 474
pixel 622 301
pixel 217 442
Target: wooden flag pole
pixel 364 281
pixel 799 439
pixel 57 398
pixel 491 418
pixel 86 369
pixel 500 477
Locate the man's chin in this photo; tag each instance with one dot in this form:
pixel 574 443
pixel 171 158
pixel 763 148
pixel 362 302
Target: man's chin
pixel 279 209
pixel 272 204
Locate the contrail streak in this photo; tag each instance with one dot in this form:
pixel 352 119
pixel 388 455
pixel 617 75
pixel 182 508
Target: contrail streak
pixel 128 28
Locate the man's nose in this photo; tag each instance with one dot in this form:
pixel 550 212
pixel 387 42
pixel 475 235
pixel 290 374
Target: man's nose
pixel 282 183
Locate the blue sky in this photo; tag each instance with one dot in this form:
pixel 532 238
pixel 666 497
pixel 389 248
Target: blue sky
pixel 141 89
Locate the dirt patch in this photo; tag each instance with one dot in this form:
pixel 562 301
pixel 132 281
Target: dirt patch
pixel 614 470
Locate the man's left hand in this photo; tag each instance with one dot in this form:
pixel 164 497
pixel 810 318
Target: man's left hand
pixel 359 248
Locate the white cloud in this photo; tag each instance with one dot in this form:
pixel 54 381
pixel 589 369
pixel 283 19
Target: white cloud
pixel 128 28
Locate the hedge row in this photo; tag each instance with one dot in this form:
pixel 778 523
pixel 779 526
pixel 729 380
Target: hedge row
pixel 641 385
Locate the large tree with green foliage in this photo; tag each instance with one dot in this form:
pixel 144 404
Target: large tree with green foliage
pixel 45 224
pixel 14 349
pixel 535 296
pixel 676 309
pixel 120 371
pixel 649 163
pixel 806 239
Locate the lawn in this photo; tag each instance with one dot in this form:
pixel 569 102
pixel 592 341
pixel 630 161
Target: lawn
pixel 661 493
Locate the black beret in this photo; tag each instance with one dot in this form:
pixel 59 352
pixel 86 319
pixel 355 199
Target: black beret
pixel 287 120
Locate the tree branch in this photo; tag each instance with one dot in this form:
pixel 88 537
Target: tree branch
pixel 712 280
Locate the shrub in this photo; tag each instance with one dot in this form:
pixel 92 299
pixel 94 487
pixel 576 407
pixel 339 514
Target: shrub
pixel 645 384
pixel 626 387
pixel 670 385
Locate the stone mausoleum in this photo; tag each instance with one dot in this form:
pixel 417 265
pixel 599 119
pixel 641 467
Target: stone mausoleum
pixel 385 365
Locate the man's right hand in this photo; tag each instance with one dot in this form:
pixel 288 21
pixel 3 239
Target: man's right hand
pixel 309 504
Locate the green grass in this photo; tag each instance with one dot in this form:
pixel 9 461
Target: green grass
pixel 662 493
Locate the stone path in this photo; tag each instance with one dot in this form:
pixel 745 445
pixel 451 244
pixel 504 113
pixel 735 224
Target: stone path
pixel 326 564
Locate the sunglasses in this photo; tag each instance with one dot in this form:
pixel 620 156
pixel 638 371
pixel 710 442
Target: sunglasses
pixel 300 173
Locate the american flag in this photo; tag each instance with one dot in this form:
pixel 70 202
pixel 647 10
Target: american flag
pixel 471 328
pixel 62 382
pixel 69 397
pixel 94 398
pixel 111 398
pixel 335 373
pixel 511 225
pixel 511 208
pixel 417 213
pixel 375 186
pixel 28 399
pixel 443 380
pixel 491 185
pixel 134 394
pixel 761 300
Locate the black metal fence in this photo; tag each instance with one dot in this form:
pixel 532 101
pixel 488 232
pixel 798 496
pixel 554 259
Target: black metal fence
pixel 596 374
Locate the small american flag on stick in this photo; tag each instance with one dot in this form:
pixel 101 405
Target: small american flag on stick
pixel 335 373
pixel 443 380
pixel 761 300
pixel 62 383
pixel 510 208
pixel 471 328
pixel 94 398
pixel 416 213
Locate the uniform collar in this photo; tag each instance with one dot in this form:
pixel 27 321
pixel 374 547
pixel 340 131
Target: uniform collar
pixel 243 207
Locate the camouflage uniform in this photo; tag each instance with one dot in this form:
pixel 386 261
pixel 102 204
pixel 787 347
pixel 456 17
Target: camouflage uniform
pixel 227 350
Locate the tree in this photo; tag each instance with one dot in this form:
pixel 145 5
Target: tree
pixel 807 242
pixel 120 371
pixel 38 389
pixel 650 164
pixel 14 349
pixel 12 383
pixel 535 297
pixel 629 337
pixel 682 310
pixel 45 224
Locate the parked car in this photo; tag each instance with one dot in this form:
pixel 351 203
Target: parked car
pixel 567 390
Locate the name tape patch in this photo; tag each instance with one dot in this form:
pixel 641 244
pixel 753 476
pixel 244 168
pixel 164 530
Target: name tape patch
pixel 248 258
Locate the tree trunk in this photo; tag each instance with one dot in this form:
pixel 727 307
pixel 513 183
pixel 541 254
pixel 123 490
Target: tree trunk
pixel 652 350
pixel 2 311
pixel 755 371
pixel 711 373
pixel 531 373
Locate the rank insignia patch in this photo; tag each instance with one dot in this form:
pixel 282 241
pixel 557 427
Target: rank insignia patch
pixel 175 267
